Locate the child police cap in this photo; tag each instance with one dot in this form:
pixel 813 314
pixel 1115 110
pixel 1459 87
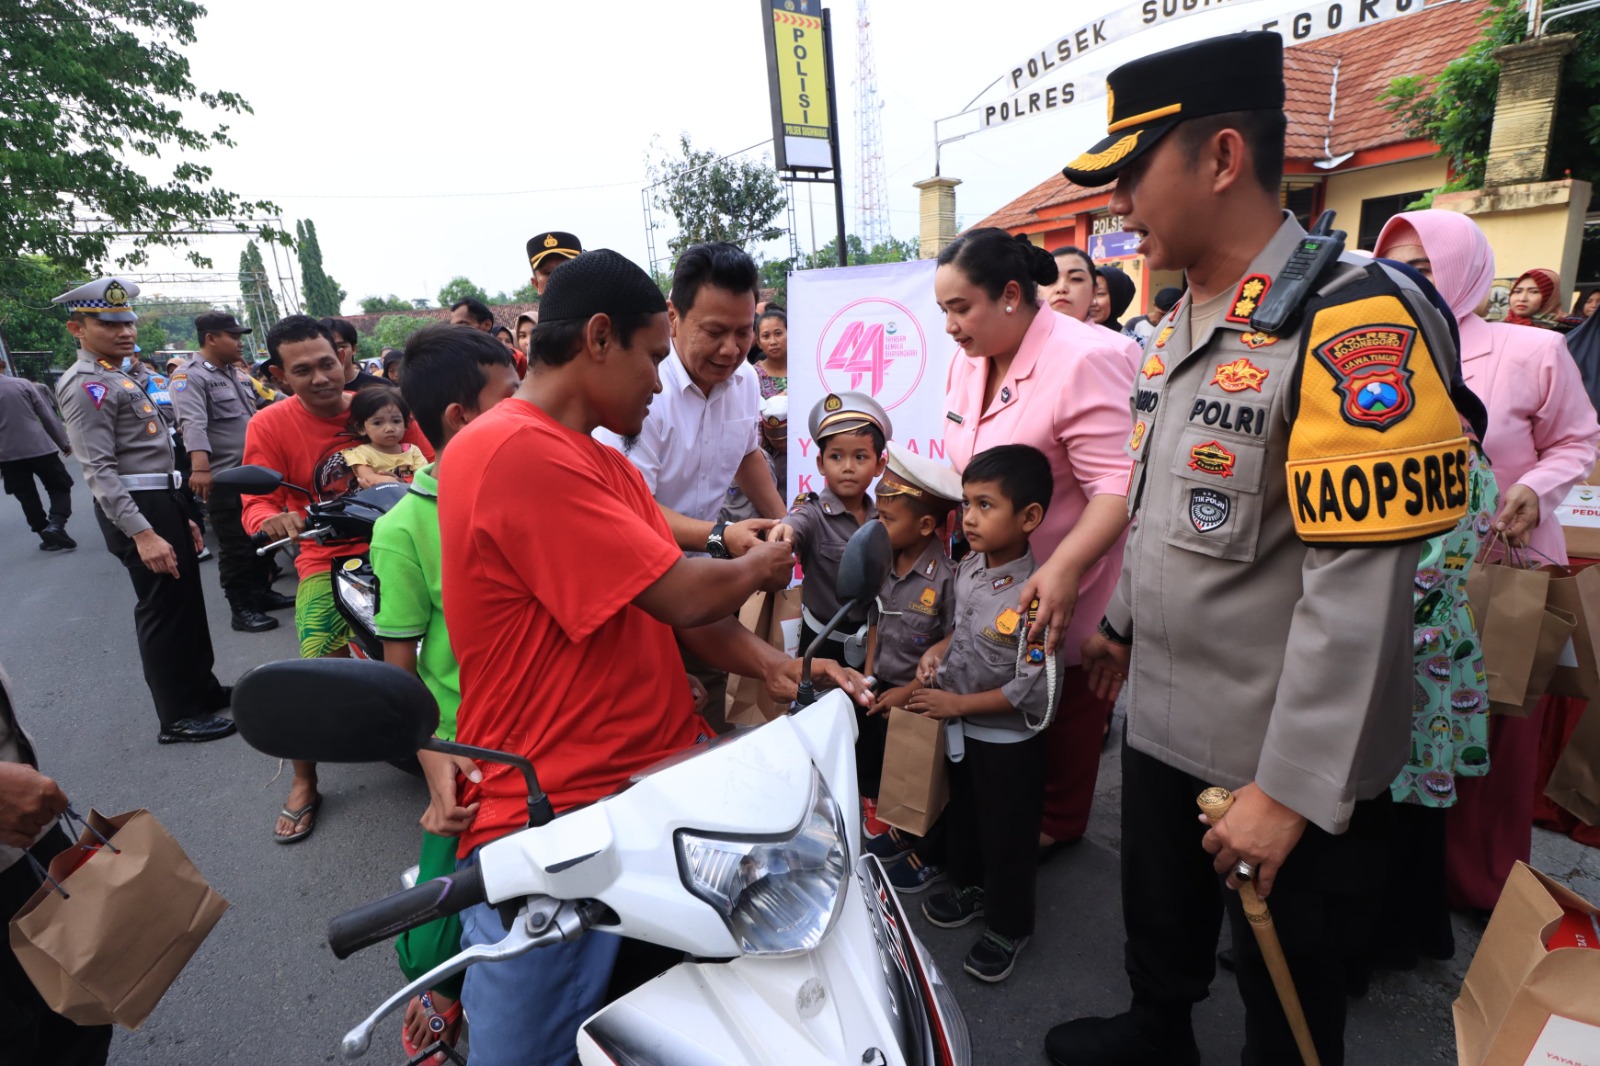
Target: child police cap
pixel 1147 98
pixel 847 412
pixel 542 246
pixel 910 474
pixel 105 298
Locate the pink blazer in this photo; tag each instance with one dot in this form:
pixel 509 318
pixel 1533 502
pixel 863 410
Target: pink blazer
pixel 1067 394
pixel 1542 428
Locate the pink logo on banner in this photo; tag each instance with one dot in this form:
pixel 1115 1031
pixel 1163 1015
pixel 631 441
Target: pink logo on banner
pixel 873 345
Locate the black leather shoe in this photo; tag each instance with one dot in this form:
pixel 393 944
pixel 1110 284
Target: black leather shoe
pixel 57 535
pixel 1122 1041
pixel 196 730
pixel 49 546
pixel 223 699
pixel 273 600
pixel 250 620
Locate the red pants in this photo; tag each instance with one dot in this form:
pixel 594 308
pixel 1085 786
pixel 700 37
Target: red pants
pixel 1072 756
pixel 1491 826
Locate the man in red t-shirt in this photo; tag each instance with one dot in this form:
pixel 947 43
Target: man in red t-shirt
pixel 302 438
pixel 563 589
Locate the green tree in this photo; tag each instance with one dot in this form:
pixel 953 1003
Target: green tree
pixel 323 295
pixel 1455 109
pixel 260 306
pixel 715 199
pixel 150 339
pixel 525 295
pixel 372 305
pixel 29 322
pixel 460 288
pixel 775 273
pixel 392 330
pixel 94 94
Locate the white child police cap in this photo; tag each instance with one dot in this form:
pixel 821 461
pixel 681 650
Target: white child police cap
pixel 847 412
pixel 105 298
pixel 910 474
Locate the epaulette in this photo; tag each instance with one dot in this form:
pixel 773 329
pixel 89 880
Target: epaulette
pixel 803 499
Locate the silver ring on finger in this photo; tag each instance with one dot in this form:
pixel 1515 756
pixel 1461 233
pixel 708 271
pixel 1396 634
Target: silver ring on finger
pixel 1244 871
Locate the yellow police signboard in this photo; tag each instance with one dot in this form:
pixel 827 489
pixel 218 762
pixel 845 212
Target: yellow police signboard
pixel 797 69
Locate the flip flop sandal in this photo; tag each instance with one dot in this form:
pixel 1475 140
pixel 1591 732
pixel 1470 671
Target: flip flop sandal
pixel 442 1027
pixel 297 816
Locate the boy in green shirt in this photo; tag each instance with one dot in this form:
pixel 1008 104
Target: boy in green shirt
pixel 449 376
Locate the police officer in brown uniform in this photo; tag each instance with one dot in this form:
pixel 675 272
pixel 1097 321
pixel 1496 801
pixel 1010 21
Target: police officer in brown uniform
pixel 1294 440
pixel 214 400
pixel 127 460
pixel 548 250
pixel 30 437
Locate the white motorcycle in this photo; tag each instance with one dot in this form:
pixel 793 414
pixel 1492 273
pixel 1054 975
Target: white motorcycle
pixel 744 854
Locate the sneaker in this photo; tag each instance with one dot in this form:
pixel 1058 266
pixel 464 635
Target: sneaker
pixel 955 908
pixel 871 824
pixel 1123 1040
pixel 993 956
pixel 891 846
pixel 914 875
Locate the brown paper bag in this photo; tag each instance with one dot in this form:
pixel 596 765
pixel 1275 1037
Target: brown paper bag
pixel 1578 593
pixel 770 616
pixel 1575 780
pixel 916 774
pixel 127 927
pixel 1508 603
pixel 1521 1002
pixel 1555 635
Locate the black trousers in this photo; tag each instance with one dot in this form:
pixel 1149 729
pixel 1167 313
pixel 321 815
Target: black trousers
pixel 992 828
pixel 169 615
pixel 29 1030
pixel 1324 902
pixel 18 476
pixel 243 574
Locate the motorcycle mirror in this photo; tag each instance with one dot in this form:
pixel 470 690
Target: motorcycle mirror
pixel 248 480
pixel 864 565
pixel 334 710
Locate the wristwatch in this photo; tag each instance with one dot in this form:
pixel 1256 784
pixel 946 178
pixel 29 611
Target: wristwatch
pixel 714 546
pixel 1105 630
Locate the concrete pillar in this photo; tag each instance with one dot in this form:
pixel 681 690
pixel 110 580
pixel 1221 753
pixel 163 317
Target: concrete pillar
pixel 938 210
pixel 1524 111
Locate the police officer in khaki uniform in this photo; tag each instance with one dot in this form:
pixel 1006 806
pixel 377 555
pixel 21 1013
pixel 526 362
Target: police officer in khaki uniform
pixel 1284 478
pixel 214 401
pixel 548 250
pixel 128 462
pixel 30 436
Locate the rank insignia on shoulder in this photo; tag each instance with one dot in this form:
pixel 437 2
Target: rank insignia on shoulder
pixel 1153 367
pixel 1164 336
pixel 96 391
pixel 1212 458
pixel 1248 298
pixel 927 571
pixel 1369 368
pixel 801 500
pixel 1001 582
pixel 1006 622
pixel 1256 339
pixel 1239 375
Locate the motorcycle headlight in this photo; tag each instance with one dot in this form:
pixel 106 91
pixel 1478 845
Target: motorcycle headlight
pixel 356 592
pixel 778 896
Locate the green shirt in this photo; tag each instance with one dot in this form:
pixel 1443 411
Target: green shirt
pixel 408 565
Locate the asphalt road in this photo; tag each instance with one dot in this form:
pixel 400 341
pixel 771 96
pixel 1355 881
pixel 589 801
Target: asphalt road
pixel 265 988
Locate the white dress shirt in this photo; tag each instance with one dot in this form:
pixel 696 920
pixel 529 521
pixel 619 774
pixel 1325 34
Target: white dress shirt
pixel 692 444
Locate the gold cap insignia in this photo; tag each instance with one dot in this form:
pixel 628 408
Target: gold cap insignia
pixel 550 241
pixel 116 295
pixel 832 403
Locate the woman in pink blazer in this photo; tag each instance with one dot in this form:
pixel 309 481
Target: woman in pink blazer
pixel 1028 375
pixel 1541 440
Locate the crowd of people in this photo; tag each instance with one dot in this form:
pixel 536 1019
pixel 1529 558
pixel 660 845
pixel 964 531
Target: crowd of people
pixel 1258 538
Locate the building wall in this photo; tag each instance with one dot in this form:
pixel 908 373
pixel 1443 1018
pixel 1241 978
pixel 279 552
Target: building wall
pixel 1344 192
pixel 1534 225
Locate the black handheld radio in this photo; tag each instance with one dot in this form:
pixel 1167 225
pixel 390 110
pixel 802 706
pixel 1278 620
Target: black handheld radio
pixel 1294 284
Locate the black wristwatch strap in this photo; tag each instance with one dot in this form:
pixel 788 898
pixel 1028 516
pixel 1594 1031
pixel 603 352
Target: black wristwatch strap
pixel 1105 630
pixel 716 547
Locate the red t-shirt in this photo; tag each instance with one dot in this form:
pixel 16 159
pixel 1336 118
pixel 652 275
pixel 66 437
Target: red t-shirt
pixel 547 537
pixel 305 450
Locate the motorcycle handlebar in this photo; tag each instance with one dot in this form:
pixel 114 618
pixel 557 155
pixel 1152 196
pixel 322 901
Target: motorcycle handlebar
pixel 392 915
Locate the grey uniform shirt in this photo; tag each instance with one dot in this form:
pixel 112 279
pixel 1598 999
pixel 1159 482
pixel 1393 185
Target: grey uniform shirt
pixel 28 426
pixel 1258 656
pixel 982 655
pixel 821 527
pixel 914 612
pixel 214 405
pixel 15 747
pixel 114 430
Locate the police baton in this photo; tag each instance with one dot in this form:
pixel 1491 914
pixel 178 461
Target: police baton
pixel 1214 803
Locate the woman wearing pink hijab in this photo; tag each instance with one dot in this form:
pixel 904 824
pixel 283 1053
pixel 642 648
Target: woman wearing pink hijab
pixel 1541 440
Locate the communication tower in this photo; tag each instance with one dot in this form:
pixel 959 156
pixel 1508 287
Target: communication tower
pixel 872 200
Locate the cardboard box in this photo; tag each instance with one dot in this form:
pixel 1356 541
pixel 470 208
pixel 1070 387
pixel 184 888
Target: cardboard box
pixel 1579 515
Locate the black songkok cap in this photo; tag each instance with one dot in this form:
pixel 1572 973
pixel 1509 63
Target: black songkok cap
pixel 1147 97
pixel 600 282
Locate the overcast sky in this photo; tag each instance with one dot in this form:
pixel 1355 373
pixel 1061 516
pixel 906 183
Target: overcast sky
pixel 428 141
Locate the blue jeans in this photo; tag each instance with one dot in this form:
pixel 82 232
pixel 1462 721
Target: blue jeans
pixel 526 1011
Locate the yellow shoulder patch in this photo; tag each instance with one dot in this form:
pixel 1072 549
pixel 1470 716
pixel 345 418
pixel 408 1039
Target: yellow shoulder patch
pixel 1377 454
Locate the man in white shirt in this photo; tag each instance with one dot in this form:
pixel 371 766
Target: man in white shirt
pixel 702 434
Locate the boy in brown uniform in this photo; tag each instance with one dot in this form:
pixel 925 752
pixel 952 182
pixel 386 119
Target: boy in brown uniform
pixel 1003 692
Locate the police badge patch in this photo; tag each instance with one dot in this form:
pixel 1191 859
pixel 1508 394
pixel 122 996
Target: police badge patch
pixel 1369 369
pixel 1208 509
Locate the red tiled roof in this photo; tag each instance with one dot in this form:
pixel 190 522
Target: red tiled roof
pixel 1341 76
pixel 504 315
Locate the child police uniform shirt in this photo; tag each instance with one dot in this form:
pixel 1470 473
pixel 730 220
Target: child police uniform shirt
pixel 914 612
pixel 982 655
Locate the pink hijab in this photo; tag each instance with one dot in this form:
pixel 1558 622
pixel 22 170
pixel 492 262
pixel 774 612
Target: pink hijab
pixel 1462 261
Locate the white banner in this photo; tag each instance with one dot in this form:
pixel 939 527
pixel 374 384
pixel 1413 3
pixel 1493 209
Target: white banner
pixel 872 329
pixel 1309 23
